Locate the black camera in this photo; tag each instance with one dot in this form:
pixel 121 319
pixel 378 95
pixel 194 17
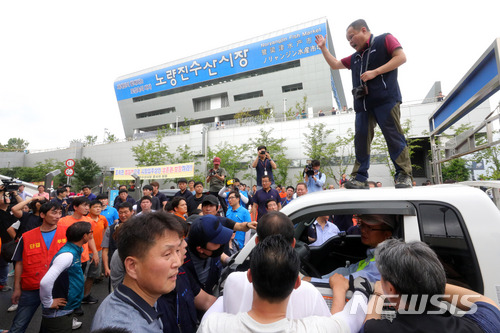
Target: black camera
pixel 263 152
pixel 10 185
pixel 309 171
pixel 360 91
pixel 212 172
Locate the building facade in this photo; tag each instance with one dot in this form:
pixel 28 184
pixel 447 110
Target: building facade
pixel 270 73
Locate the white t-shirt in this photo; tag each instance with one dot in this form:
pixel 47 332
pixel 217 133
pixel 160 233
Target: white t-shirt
pixel 348 320
pixel 305 301
pixel 242 322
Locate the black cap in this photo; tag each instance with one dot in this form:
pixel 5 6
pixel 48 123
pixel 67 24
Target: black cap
pixel 210 199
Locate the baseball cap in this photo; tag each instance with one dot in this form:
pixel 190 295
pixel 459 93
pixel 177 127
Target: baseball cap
pixel 216 160
pixel 376 219
pixel 213 230
pixel 210 199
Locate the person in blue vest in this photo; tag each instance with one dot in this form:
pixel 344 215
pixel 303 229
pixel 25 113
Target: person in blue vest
pixel 376 99
pixel 61 289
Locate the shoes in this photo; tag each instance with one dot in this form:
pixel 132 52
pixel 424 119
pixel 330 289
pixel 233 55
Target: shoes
pixel 403 181
pixel 78 311
pixel 5 288
pixel 76 324
pixel 89 300
pixel 356 184
pixel 12 308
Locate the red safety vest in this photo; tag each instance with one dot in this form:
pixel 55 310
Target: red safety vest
pixel 36 257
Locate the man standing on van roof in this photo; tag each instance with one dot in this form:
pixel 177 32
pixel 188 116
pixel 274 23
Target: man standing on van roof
pixel 376 99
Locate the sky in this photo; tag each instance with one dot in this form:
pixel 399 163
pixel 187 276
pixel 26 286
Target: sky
pixel 59 59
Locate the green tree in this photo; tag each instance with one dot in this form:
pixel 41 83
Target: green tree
pixel 15 144
pixel 232 157
pixel 184 154
pixel 110 138
pixel 38 172
pixel 152 151
pixel 90 140
pixel 346 154
pixel 456 170
pixel 317 147
pixel 86 170
pixel 277 149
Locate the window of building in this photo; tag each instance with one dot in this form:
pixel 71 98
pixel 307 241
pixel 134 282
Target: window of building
pixel 211 102
pixel 292 87
pixel 154 113
pixel 253 94
pixel 442 228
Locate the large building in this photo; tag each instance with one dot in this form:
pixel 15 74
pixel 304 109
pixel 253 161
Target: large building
pixel 273 72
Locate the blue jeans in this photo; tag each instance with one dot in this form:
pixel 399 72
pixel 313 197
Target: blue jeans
pixel 4 271
pixel 28 304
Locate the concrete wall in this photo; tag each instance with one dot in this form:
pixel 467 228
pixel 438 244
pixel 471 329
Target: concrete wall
pixel 120 154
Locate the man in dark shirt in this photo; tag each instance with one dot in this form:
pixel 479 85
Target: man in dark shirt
pixel 186 194
pixel 263 195
pixel 29 220
pixel 122 197
pixel 156 192
pixel 147 190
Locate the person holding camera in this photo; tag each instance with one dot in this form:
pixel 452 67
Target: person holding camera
pixel 376 99
pixel 313 177
pixel 216 178
pixel 264 166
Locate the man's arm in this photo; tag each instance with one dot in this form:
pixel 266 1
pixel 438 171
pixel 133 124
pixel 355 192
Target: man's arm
pixel 95 255
pixel 17 282
pixel 255 162
pixel 398 58
pixel 203 300
pixel 17 210
pixel 466 297
pixel 339 285
pixel 330 59
pixel 105 261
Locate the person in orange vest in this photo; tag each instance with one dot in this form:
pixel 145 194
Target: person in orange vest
pixel 33 256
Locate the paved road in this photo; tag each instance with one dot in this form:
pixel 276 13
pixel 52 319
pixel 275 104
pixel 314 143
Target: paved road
pixel 99 291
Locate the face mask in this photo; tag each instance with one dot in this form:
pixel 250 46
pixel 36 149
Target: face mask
pixel 218 252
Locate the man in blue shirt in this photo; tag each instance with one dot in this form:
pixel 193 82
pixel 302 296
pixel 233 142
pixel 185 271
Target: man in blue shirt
pixel 238 214
pixel 261 196
pixel 314 178
pixel 87 192
pixel 110 213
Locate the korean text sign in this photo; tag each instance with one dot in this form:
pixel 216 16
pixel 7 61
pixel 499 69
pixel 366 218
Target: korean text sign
pixel 156 172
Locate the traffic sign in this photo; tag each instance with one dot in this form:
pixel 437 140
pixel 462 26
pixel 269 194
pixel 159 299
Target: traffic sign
pixel 70 163
pixel 69 172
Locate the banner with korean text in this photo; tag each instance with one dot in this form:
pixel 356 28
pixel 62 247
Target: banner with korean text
pixel 183 170
pixel 257 54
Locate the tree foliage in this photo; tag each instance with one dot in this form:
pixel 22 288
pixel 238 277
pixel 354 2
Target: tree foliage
pixel 38 172
pixel 277 149
pixel 232 157
pixel 152 151
pixel 456 170
pixel 15 144
pixel 86 170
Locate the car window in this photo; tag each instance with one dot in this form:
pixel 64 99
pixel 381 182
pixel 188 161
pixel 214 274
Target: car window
pixel 443 229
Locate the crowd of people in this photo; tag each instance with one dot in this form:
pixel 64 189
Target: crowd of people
pixel 169 260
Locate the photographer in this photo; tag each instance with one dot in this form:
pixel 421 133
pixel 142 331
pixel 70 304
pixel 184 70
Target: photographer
pixel 376 99
pixel 264 166
pixel 215 180
pixel 313 177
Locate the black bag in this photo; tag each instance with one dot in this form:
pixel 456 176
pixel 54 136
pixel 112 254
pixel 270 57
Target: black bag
pixel 8 250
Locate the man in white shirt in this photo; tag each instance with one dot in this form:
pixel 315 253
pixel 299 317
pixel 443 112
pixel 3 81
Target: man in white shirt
pixel 305 300
pixel 272 289
pixel 321 231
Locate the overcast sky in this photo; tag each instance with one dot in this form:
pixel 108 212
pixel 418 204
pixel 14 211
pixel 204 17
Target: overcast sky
pixel 59 59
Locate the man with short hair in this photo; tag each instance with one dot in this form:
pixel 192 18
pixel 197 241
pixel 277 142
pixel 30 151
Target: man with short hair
pixel 261 196
pixel 146 205
pixel 263 165
pixel 377 99
pixel 191 186
pixel 156 192
pixel 150 247
pixel 123 196
pixel 110 213
pixel 271 205
pixel 206 241
pixel 290 191
pixel 238 214
pixel 198 195
pixel 216 178
pixel 61 198
pixel 39 246
pixel 271 296
pixel 99 226
pixel 185 193
pixel 375 228
pixel 61 289
pixel 125 212
pixel 22 193
pixel 305 301
pixel 87 193
pixel 315 179
pixel 301 189
pixel 210 206
pixel 321 230
pixel 147 191
pixel 413 278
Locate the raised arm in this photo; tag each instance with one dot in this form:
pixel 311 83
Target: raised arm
pixel 330 59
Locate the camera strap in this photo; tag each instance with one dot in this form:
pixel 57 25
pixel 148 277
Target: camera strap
pixel 367 57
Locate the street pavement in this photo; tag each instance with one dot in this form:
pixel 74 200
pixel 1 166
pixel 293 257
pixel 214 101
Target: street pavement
pixel 99 291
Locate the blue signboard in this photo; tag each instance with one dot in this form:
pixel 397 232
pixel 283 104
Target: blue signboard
pixel 273 51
